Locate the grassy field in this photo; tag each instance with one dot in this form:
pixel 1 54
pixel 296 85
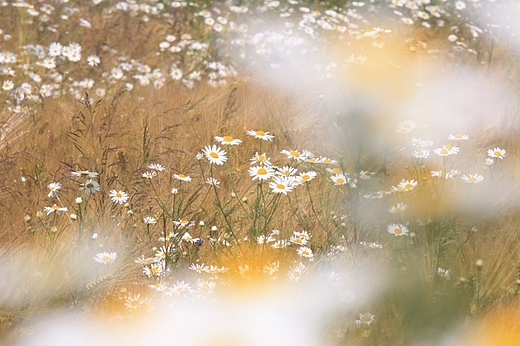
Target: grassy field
pixel 259 173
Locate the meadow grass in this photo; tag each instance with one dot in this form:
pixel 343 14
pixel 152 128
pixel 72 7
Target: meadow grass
pixel 296 173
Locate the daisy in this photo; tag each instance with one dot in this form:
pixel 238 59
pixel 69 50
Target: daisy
pixel 452 174
pixel 105 257
pixel 199 268
pixel 53 189
pixel 281 185
pixel 397 229
pixel 118 196
pixel 458 137
pixel 55 209
pixel 93 60
pixel 307 176
pixel 55 49
pixel 212 181
pixel 294 154
pixel 489 161
pixel 183 223
pixel 339 179
pixel 228 140
pixel 261 172
pixel 398 208
pixel 421 154
pixel 90 186
pixel 295 273
pixel 149 175
pixel 134 302
pixel 260 159
pixel 286 171
pixel 8 85
pixel 215 155
pixel 497 153
pixel 182 177
pixel 406 126
pixel 49 63
pixel 149 220
pixel 335 170
pixel 180 287
pixel 260 135
pixel 327 161
pixel 406 185
pixel 305 252
pixel 365 318
pixel 472 178
pixel 156 167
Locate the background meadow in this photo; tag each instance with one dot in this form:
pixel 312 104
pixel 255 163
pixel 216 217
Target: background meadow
pixel 252 173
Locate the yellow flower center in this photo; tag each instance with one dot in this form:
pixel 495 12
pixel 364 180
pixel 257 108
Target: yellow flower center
pixel 305 177
pixel 105 258
pixel 55 207
pixel 448 146
pixel 444 151
pixel 408 186
pixel 261 158
pixel 472 179
pixel 228 138
pixel 497 153
pixel 182 176
pixel 295 153
pixel 458 135
pixel 340 181
pixel 336 170
pixel 118 195
pixel 280 186
pixel 262 171
pixel 397 231
pixel 213 155
pixel 260 133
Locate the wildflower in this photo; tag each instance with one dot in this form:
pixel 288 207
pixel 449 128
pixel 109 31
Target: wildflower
pixel 286 171
pixel 294 154
pixel 406 185
pixel 181 286
pixel 444 273
pixel 295 272
pixel 281 185
pixel 156 167
pixel 199 268
pixel 8 85
pixel 228 140
pixel 155 269
pixel 497 153
pixel 182 177
pixel 307 176
pixel 215 155
pixel 406 126
pixel 105 257
pixel 90 186
pixel 260 135
pixel 55 209
pixel 116 73
pixel 398 208
pixel 260 159
pixel 53 189
pixel 261 172
pixel 452 174
pixel 135 301
pixel 183 223
pixel 489 161
pixel 365 318
pixel 397 229
pixel 149 175
pixel 421 154
pixel 49 63
pixel 212 181
pixel 446 150
pixel 472 178
pixel 149 220
pixel 327 161
pixel 55 49
pixel 93 60
pixel 378 43
pixel 458 137
pixel 280 244
pixel 339 179
pixel 335 170
pixel 118 196
pixel 305 252
pixel 85 174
